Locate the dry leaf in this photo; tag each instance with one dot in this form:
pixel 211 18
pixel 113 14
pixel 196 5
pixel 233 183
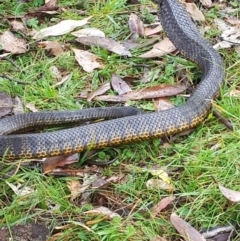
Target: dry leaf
pixel 74 187
pixel 51 3
pixel 146 93
pixel 161 104
pixel 157 238
pixel 4 55
pixel 86 32
pixel 12 44
pixel 105 43
pixel 185 229
pixel 230 35
pixel 129 44
pixel 152 31
pixel 55 72
pixel 103 211
pixel 237 49
pixel 63 80
pixel 51 163
pixel 119 85
pixel 48 6
pixel 115 179
pixel 206 3
pixel 235 93
pixel 18 26
pixel 232 21
pixel 18 106
pixel 194 11
pixel 55 48
pixel 87 181
pixel 6 104
pixel 87 60
pixel 231 195
pixel 159 184
pixel 19 190
pixel 99 183
pixel 135 25
pixel 160 49
pixel 156 209
pixel 31 107
pixel 61 28
pixel 99 91
pixel 219 233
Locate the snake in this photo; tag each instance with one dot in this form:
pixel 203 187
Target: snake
pixel 184 34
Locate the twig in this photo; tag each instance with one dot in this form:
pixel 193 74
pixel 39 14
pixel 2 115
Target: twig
pixel 11 61
pixel 223 120
pixel 4 76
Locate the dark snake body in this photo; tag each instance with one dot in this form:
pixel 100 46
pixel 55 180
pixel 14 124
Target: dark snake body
pixel 185 36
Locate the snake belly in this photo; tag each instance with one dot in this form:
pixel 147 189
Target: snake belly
pixel 186 37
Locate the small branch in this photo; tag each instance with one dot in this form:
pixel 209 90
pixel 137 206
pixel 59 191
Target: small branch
pixel 223 120
pixel 4 76
pixel 11 61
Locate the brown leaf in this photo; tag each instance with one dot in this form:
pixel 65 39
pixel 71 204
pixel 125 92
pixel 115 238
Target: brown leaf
pixel 55 48
pixel 20 190
pixel 162 103
pixel 119 85
pixel 156 209
pixel 206 3
pixel 235 93
pixel 99 91
pixel 86 32
pixel 63 80
pixel 129 44
pixel 104 211
pixel 61 28
pixel 55 72
pixel 157 238
pixel 6 104
pixel 48 6
pixel 87 60
pixel 194 11
pixel 146 93
pixel 231 195
pixel 74 187
pixel 152 31
pixel 160 49
pixel 185 229
pixel 229 36
pixel 232 21
pixel 31 107
pixel 99 183
pixel 18 26
pixel 18 106
pixel 219 233
pixel 12 44
pixel 115 179
pixel 51 163
pixel 157 184
pixel 105 43
pixel 135 25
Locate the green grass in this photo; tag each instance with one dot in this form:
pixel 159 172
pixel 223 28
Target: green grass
pixel 191 161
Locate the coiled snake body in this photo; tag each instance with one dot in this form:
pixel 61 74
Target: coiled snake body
pixel 185 36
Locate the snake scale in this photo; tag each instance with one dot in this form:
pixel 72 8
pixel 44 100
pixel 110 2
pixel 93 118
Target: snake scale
pixel 186 37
